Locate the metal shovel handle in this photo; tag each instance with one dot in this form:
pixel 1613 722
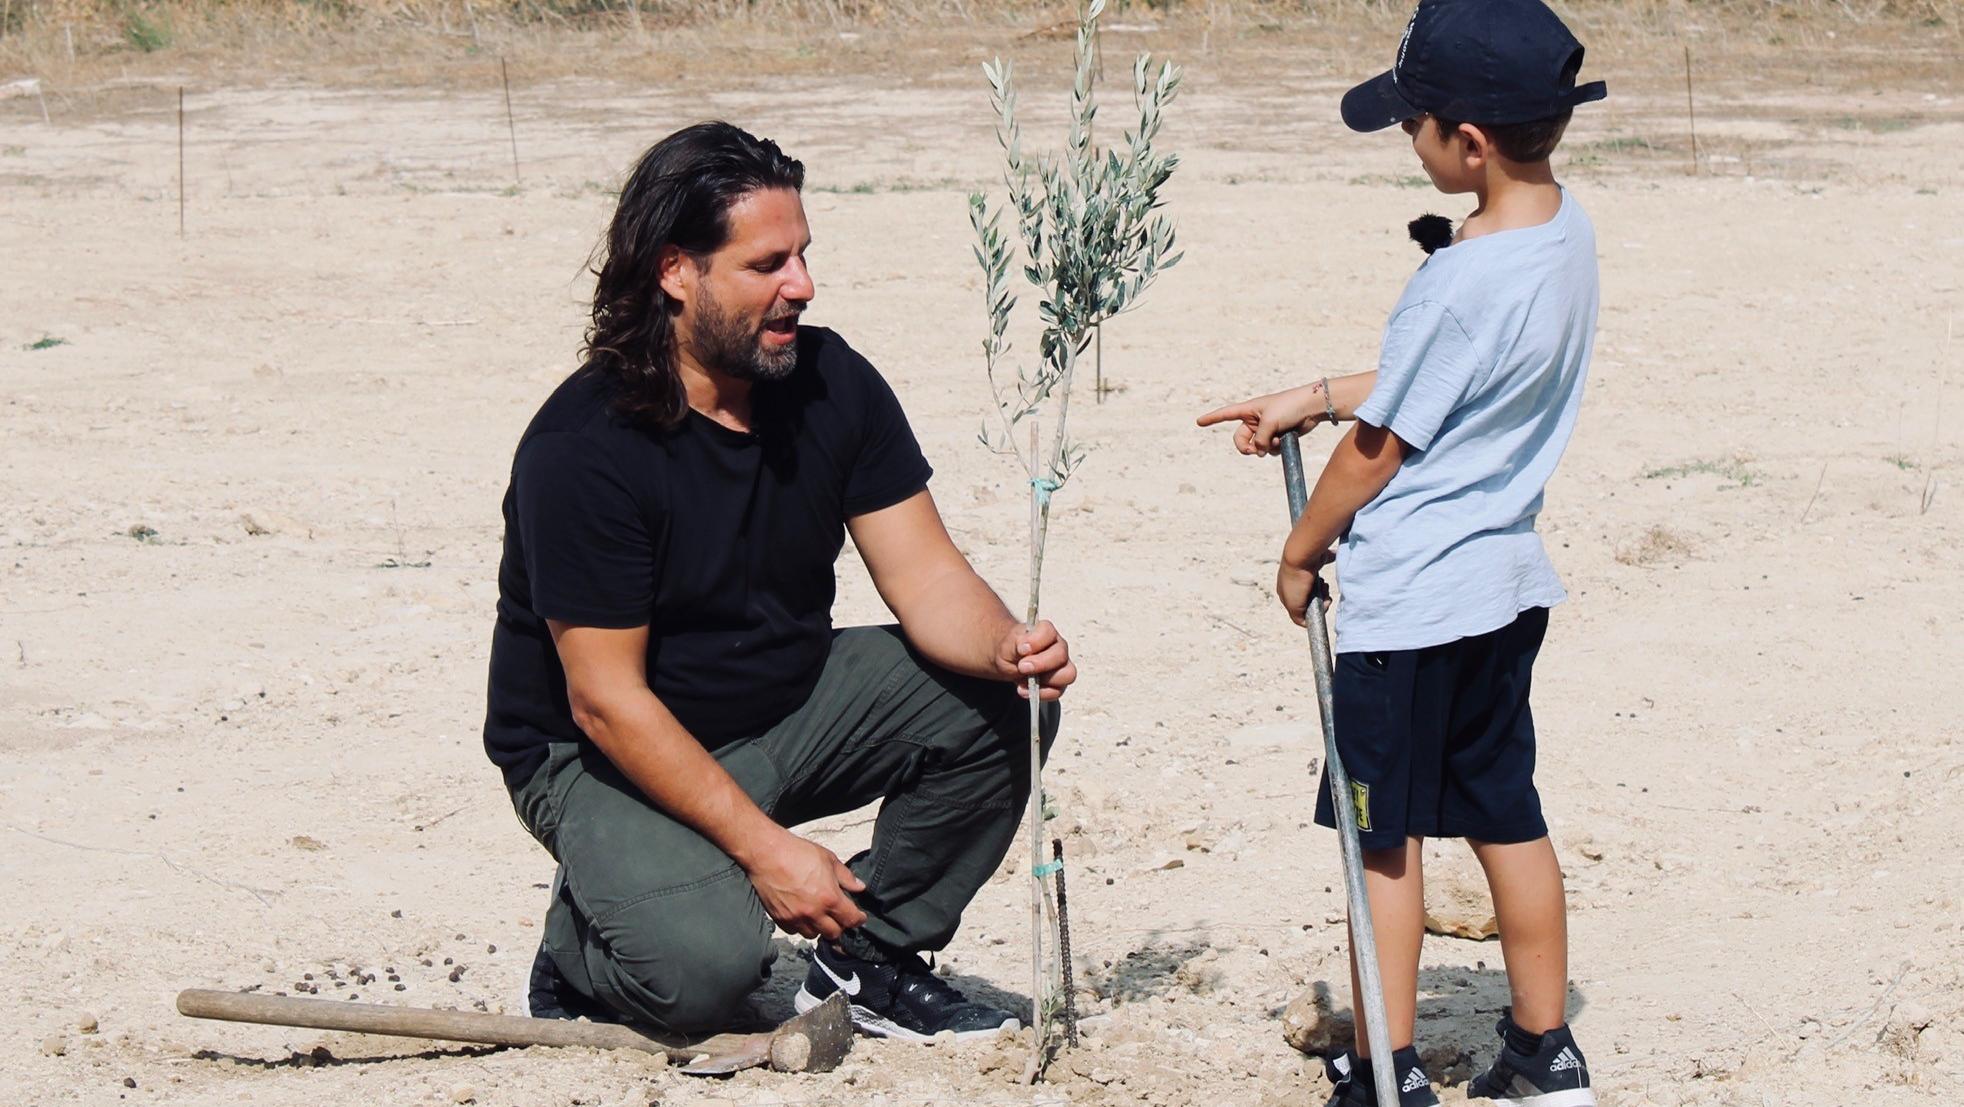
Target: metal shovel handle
pixel 1363 938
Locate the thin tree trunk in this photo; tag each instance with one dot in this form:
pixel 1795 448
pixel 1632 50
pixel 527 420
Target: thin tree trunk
pixel 1038 516
pixel 1040 489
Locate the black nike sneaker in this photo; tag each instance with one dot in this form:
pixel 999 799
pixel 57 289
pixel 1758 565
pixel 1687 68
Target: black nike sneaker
pixel 898 998
pixel 1554 1075
pixel 1356 1085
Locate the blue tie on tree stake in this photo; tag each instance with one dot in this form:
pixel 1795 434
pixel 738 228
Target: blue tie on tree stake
pixel 1363 939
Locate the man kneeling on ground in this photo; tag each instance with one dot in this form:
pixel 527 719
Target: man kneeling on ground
pixel 667 691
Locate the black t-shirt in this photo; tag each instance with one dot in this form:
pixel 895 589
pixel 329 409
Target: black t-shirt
pixel 720 542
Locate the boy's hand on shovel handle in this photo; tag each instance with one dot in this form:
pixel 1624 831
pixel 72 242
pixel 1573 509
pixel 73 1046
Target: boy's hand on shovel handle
pixel 1295 585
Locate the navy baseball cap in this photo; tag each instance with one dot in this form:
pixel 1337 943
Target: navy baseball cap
pixel 1476 61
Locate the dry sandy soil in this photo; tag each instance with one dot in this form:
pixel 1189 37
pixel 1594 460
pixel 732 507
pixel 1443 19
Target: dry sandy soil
pixel 251 522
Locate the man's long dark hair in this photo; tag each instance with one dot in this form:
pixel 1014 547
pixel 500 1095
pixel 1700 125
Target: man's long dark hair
pixel 680 195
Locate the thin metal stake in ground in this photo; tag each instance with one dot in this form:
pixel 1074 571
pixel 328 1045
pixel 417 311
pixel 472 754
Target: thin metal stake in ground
pixel 1064 944
pixel 511 127
pixel 180 161
pixel 1363 939
pixel 1690 110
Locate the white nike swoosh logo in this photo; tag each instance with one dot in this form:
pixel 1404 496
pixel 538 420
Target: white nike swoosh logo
pixel 847 984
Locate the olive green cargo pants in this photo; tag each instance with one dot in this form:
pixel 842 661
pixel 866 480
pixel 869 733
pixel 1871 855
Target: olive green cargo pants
pixel 655 922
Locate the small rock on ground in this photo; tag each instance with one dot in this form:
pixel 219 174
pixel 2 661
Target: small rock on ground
pixel 1313 1027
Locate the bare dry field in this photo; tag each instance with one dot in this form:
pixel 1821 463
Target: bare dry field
pixel 251 483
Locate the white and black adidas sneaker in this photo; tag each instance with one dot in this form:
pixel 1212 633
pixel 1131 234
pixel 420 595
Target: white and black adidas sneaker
pixel 1555 1075
pixel 898 998
pixel 1356 1084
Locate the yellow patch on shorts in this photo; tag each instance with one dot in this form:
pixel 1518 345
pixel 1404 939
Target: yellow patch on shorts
pixel 1360 798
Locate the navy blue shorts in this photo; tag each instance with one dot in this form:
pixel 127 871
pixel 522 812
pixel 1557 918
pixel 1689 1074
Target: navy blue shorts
pixel 1439 741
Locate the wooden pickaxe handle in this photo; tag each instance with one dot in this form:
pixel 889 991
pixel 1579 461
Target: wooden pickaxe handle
pixel 817 1029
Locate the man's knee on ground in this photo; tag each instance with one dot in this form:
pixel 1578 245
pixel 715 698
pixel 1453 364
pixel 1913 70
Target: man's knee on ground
pixel 687 974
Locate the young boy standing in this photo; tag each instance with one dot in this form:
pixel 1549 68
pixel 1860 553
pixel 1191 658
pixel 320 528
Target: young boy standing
pixel 1430 500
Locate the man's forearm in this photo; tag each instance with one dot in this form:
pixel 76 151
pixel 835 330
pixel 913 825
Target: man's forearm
pixel 659 755
pixel 957 621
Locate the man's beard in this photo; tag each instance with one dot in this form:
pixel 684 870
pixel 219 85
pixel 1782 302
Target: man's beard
pixel 724 342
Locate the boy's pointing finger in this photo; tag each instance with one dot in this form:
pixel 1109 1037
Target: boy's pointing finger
pixel 1227 414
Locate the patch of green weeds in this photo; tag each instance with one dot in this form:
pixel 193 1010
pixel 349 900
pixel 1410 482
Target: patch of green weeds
pixel 1409 180
pixel 1877 125
pixel 13 151
pixel 422 189
pixel 897 184
pixel 1732 469
pixel 144 32
pixel 46 342
pixel 143 533
pixel 1619 144
pixel 588 188
pixel 1900 461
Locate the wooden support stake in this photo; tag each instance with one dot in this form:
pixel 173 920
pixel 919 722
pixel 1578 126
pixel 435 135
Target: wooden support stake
pixel 1098 361
pixel 511 127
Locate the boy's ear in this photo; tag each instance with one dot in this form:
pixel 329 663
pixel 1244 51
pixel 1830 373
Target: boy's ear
pixel 1477 144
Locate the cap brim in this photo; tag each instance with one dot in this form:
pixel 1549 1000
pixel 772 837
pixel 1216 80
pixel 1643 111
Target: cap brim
pixel 1376 104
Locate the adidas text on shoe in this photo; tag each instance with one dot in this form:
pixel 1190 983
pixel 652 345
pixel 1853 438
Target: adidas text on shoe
pixel 1556 1075
pixel 1355 1082
pixel 898 998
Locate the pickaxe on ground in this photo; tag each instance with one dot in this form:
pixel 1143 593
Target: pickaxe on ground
pixel 815 1041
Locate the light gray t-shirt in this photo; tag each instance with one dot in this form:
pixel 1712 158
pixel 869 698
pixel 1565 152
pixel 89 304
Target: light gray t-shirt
pixel 1481 375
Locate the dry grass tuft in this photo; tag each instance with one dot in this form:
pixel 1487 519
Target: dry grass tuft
pixel 1654 546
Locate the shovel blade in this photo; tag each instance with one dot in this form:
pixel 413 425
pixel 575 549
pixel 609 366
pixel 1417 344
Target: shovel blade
pixel 750 1055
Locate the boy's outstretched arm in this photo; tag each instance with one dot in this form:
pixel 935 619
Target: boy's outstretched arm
pixel 1264 418
pixel 1362 464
